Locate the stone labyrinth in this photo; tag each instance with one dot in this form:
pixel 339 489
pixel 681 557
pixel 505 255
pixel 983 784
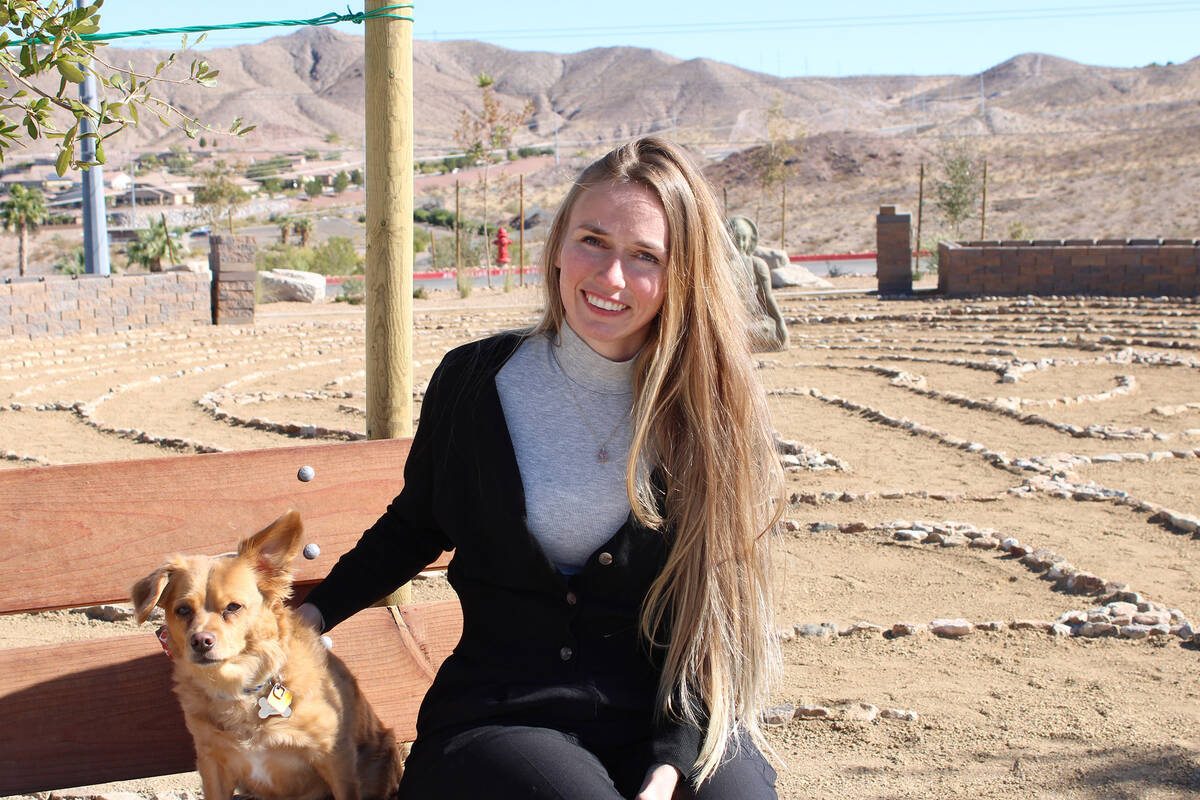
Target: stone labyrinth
pixel 978 471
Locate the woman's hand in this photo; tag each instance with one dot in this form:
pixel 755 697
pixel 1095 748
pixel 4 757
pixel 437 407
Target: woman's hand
pixel 660 783
pixel 311 616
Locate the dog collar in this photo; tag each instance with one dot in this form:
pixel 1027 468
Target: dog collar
pixel 276 702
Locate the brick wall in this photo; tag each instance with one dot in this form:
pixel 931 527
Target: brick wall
pixel 893 245
pixel 1118 267
pixel 58 304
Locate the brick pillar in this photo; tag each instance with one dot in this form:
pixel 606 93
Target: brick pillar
pixel 231 260
pixel 893 264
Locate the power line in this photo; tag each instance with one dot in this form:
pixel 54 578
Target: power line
pixel 820 23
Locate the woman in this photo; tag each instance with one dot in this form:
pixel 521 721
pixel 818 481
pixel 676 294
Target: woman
pixel 608 485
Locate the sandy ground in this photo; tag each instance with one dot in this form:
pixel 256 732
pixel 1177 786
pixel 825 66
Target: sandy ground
pixel 1013 713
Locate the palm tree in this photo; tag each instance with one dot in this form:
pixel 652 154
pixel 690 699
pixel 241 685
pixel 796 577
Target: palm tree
pixel 152 245
pixel 285 227
pixel 24 211
pixel 303 227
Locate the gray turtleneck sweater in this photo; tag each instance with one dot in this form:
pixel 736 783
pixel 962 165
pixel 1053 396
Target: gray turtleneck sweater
pixel 562 403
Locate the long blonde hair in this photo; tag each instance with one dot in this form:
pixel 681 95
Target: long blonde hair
pixel 699 419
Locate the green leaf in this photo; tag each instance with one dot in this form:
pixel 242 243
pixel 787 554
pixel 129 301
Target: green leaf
pixel 70 71
pixel 244 131
pixel 63 161
pixel 32 128
pixel 100 152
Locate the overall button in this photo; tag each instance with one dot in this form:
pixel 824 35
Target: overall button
pixel 566 654
pixel 572 599
pixel 605 559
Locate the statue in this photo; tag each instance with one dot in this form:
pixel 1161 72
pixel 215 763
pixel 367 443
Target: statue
pixel 767 329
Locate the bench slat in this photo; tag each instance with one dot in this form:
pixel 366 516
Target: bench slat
pixel 82 534
pixel 103 710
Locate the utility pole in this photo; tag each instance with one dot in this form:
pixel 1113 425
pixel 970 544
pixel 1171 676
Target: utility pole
pixel 95 227
pixel 983 204
pixel 920 210
pixel 389 200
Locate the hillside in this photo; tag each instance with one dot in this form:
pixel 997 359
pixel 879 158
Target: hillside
pixel 1072 149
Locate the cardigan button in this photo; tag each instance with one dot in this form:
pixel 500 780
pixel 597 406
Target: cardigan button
pixel 566 654
pixel 572 599
pixel 605 559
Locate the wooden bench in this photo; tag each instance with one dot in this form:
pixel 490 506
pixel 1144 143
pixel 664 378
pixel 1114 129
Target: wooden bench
pixel 87 712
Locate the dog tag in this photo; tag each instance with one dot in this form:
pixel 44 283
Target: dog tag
pixel 277 702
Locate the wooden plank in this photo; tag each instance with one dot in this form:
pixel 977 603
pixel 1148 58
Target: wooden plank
pixel 103 710
pixel 83 534
pixel 432 629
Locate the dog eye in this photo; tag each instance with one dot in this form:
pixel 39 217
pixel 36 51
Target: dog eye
pixel 183 611
pixel 233 608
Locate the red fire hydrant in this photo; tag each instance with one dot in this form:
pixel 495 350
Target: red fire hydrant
pixel 502 242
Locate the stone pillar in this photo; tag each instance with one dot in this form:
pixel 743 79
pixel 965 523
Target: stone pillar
pixel 231 260
pixel 893 263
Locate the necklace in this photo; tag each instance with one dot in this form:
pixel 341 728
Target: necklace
pixel 602 454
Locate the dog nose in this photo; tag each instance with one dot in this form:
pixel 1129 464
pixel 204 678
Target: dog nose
pixel 203 642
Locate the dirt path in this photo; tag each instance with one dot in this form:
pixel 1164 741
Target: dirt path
pixel 913 414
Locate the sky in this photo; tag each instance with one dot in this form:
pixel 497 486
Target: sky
pixel 787 38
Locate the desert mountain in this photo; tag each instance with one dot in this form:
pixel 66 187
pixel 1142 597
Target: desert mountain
pixel 1071 149
pixel 305 85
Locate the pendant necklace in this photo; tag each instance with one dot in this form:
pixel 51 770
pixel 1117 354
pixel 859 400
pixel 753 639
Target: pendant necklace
pixel 602 455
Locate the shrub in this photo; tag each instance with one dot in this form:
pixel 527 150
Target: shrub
pixel 354 291
pixel 336 256
pixel 284 256
pixel 421 239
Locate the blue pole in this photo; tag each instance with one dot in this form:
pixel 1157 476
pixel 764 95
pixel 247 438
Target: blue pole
pixel 95 228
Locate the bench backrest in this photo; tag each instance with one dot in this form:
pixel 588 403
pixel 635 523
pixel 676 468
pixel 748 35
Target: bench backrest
pixel 102 710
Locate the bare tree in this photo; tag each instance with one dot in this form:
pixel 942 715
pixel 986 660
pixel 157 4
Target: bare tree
pixel 772 160
pixel 481 134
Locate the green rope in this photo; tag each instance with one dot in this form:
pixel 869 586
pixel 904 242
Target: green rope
pixel 326 19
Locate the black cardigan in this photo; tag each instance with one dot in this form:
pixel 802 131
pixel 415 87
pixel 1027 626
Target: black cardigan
pixel 538 647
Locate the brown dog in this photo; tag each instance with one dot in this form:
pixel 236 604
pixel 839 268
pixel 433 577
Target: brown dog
pixel 272 713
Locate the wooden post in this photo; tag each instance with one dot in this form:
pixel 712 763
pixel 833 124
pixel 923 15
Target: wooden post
pixel 522 233
pixel 231 221
pixel 457 230
pixel 170 244
pixel 783 219
pixel 983 202
pixel 487 243
pixel 920 210
pixel 389 195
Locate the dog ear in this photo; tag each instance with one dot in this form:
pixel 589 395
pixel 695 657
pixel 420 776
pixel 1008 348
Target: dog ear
pixel 271 550
pixel 148 590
